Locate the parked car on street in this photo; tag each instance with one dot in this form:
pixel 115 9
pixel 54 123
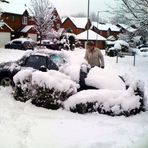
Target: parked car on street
pixel 143 47
pixel 49 44
pixel 21 43
pixel 113 47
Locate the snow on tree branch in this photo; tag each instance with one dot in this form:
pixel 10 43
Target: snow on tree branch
pixel 4 1
pixel 138 9
pixel 42 13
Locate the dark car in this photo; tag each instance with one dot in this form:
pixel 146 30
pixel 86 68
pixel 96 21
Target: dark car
pixel 49 44
pixel 21 43
pixel 111 52
pixel 143 47
pixel 39 60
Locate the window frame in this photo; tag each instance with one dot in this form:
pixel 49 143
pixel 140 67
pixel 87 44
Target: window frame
pixel 24 20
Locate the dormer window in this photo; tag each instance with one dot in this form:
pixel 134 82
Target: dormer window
pixel 24 20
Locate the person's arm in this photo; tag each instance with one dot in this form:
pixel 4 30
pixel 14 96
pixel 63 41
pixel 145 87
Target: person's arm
pixel 86 57
pixel 101 59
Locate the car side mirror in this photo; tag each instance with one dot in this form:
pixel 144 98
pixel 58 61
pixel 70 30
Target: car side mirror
pixel 43 69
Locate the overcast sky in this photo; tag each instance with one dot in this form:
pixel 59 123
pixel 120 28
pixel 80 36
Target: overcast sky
pixel 70 7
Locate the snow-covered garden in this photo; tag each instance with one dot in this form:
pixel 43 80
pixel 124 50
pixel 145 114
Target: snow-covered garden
pixel 25 125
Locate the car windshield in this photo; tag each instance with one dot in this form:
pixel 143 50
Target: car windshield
pixel 57 59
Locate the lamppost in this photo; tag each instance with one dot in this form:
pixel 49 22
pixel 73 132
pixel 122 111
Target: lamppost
pixel 88 18
pixel 98 20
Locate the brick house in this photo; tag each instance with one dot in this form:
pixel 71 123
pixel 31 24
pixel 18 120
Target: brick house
pixel 75 25
pixel 57 23
pixel 126 29
pixel 100 29
pixel 105 29
pixel 92 36
pixel 18 19
pixel 20 22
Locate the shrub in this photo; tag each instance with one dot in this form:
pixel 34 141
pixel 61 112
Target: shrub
pixel 45 89
pixel 111 102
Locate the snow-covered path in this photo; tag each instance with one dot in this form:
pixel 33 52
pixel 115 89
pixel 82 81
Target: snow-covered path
pixel 23 125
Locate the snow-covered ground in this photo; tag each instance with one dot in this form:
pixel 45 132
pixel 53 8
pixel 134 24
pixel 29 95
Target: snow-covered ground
pixel 22 125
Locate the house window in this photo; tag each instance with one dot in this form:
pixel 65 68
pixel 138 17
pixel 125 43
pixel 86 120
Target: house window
pixel 24 20
pixel 108 33
pixel 58 25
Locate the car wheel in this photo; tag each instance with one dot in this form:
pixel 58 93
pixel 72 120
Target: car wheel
pixel 6 81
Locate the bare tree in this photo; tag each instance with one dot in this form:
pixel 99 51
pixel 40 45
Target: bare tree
pixel 133 12
pixel 4 1
pixel 42 14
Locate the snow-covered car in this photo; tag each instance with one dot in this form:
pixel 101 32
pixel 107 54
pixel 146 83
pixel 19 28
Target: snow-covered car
pixel 40 59
pixel 143 47
pixel 111 52
pixel 116 46
pixel 48 44
pixel 21 43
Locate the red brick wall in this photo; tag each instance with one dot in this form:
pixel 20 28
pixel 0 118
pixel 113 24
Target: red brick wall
pixel 114 33
pixel 14 21
pixel 99 44
pixel 4 29
pixel 103 33
pixel 68 24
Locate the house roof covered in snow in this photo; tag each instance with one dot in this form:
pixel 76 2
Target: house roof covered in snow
pixel 92 36
pixel 128 28
pixel 79 22
pixel 106 26
pixel 27 28
pixel 111 38
pixel 113 27
pixel 100 26
pixel 5 24
pixel 10 8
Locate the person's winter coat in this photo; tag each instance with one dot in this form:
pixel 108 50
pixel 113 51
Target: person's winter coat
pixel 94 58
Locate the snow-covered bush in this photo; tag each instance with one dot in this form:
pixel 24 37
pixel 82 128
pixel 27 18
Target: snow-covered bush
pixel 46 89
pixel 102 79
pixel 23 87
pixel 112 102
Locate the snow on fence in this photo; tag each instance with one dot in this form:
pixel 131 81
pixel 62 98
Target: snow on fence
pixel 122 54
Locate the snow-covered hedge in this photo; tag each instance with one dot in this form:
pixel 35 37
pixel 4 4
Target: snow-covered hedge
pixel 106 101
pixel 46 89
pixel 102 79
pixel 53 89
